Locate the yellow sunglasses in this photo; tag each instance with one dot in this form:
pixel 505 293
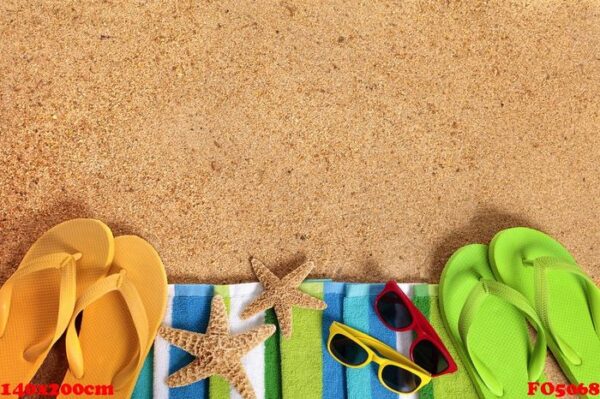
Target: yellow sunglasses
pixel 355 349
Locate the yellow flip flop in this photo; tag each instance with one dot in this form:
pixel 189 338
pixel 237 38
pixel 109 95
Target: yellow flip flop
pixel 37 301
pixel 121 315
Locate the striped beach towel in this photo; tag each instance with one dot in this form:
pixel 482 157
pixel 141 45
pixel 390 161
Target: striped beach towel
pixel 300 367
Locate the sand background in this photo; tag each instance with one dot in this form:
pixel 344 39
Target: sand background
pixel 372 137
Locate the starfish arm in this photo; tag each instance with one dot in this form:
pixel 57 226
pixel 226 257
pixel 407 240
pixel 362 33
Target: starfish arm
pixel 297 276
pixel 219 321
pixel 303 300
pixel 185 340
pixel 189 374
pixel 246 341
pixel 264 275
pixel 263 302
pixel 284 318
pixel 236 375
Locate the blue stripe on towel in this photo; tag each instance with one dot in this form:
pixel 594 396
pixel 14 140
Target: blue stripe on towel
pixel 334 375
pixel 356 316
pixel 191 310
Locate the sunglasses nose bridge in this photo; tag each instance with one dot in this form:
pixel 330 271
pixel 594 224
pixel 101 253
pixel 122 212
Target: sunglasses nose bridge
pixel 375 358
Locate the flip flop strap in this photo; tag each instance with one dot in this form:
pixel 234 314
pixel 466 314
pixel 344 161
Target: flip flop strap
pixel 478 295
pixel 542 266
pixel 113 283
pixel 66 265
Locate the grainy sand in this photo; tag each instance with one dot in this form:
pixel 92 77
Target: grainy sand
pixel 372 137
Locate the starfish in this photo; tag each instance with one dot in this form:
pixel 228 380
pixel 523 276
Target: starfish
pixel 282 294
pixel 217 352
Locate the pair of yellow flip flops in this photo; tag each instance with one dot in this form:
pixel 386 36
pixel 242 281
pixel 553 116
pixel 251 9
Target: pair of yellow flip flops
pixel 78 267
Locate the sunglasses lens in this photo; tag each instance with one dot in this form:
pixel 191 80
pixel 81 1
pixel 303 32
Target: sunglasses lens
pixel 400 380
pixel 393 311
pixel 428 356
pixel 347 351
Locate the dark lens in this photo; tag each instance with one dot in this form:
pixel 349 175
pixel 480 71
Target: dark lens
pixel 347 351
pixel 392 310
pixel 428 356
pixel 400 380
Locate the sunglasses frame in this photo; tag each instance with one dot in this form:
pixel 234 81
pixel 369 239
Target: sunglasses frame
pixel 393 358
pixel 420 325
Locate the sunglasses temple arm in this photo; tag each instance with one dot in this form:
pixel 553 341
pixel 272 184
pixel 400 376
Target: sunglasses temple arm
pixel 385 350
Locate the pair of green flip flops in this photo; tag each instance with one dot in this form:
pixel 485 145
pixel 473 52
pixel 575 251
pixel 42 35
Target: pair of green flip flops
pixel 487 296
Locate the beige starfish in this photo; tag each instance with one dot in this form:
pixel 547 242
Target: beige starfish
pixel 217 352
pixel 282 294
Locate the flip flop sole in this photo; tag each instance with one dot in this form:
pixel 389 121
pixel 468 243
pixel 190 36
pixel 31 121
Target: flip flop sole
pixel 499 334
pixel 35 301
pixel 107 334
pixel 568 305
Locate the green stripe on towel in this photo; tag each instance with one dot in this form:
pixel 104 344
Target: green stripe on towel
pixel 301 356
pixel 219 387
pixel 272 361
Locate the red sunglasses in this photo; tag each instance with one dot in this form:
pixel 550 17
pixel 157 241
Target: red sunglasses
pixel 398 313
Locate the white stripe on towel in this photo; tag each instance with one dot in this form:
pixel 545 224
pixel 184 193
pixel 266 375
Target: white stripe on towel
pixel 254 362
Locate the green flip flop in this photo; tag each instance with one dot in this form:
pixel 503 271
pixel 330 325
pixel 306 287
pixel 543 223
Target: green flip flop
pixel 487 322
pixel 565 298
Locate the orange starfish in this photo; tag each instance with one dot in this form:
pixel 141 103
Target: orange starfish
pixel 217 352
pixel 282 294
